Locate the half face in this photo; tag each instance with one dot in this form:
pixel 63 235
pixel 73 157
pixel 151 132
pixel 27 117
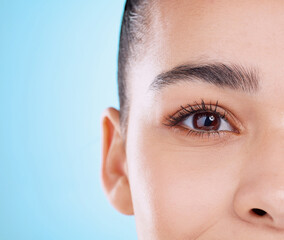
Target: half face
pixel 205 140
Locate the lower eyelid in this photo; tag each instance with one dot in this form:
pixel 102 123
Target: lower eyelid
pixel 195 139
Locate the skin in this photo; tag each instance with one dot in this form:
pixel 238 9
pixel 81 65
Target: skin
pixel 189 187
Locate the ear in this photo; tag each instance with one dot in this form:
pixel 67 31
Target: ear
pixel 114 166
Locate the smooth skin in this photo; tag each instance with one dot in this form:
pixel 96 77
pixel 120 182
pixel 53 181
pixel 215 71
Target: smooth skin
pixel 182 186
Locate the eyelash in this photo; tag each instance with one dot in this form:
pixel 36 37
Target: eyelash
pixel 173 121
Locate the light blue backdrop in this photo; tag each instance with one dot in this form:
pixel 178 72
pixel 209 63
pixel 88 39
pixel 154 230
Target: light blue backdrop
pixel 57 74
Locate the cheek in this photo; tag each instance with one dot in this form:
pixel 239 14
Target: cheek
pixel 178 190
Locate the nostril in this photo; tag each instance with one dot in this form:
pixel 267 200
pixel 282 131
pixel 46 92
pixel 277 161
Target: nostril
pixel 258 211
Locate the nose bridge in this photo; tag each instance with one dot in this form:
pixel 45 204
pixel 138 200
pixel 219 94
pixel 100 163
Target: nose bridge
pixel 269 150
pixel 259 198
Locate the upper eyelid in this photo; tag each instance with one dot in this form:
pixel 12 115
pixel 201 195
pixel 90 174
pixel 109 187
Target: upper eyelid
pixel 199 109
pixel 202 106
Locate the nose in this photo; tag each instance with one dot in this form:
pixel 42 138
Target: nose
pixel 259 198
pixel 261 202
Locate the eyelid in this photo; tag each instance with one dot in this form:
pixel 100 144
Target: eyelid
pixel 172 120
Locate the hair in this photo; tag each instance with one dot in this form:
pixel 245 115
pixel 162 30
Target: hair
pixel 132 35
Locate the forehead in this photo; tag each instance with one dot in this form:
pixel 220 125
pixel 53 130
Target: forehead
pixel 216 28
pixel 245 32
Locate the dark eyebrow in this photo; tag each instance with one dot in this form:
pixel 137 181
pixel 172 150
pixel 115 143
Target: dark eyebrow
pixel 233 76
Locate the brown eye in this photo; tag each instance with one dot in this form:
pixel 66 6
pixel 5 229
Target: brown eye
pixel 206 121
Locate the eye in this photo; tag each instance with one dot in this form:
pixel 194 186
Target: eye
pixel 207 121
pixel 202 118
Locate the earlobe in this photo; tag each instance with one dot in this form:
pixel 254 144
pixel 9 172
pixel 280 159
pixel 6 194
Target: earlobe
pixel 114 170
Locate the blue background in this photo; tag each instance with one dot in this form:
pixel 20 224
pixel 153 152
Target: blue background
pixel 58 64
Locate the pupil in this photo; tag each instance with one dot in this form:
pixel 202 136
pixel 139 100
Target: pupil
pixel 206 121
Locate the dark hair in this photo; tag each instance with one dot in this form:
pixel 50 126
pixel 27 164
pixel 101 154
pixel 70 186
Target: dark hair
pixel 132 32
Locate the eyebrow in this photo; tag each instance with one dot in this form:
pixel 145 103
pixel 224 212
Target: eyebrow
pixel 232 76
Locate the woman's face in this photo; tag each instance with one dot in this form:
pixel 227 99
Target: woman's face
pixel 187 180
